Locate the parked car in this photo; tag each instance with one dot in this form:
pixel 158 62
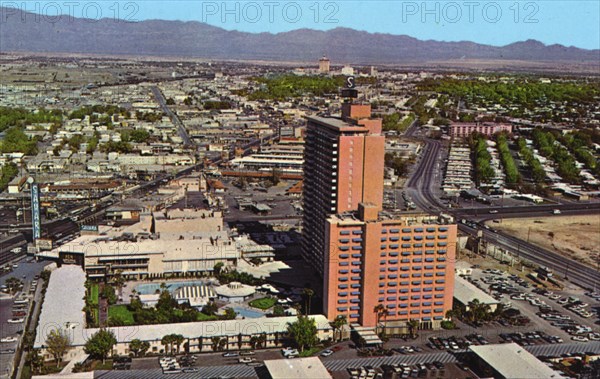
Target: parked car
pixel 326 353
pixel 8 339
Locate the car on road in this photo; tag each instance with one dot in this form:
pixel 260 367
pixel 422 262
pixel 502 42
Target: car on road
pixel 15 320
pixel 246 360
pixel 493 211
pixel 231 354
pixel 326 353
pixel 8 339
pixel 7 351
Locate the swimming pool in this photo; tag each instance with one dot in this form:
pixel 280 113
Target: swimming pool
pixel 150 288
pixel 248 313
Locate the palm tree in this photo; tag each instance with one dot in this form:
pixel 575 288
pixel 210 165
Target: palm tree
pixel 337 324
pixel 308 293
pixel 223 343
pixel 478 311
pixel 178 340
pixel 385 313
pixel 215 343
pixel 167 342
pixel 262 340
pixel 379 308
pixel 413 325
pixel 253 342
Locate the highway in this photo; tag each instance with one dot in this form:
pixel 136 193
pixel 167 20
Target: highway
pixel 420 187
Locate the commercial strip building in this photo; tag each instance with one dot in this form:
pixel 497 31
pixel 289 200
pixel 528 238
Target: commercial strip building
pixel 369 258
pixel 67 314
pixel 183 243
pixel 510 361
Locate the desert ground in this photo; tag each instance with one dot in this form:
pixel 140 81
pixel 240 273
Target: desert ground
pixel 577 237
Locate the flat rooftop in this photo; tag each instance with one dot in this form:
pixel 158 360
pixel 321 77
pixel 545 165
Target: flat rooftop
pixel 466 292
pixel 63 304
pixel 514 362
pixel 299 368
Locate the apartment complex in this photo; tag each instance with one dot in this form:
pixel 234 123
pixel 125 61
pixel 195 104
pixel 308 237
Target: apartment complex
pixel 464 129
pixel 368 258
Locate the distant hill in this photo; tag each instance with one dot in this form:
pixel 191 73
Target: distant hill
pixel 195 39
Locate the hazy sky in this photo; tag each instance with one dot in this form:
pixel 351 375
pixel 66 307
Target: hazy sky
pixel 571 23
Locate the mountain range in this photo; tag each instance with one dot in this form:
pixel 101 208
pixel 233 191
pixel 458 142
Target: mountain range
pixel 21 33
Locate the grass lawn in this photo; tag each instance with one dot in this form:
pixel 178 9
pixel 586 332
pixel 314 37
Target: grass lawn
pixel 97 365
pixel 121 312
pixel 205 317
pixel 264 303
pixel 311 351
pixel 93 295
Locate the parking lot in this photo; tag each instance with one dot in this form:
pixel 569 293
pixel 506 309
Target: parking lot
pixel 564 313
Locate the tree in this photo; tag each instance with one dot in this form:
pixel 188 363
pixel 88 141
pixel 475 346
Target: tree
pixel 36 361
pixel 178 340
pixel 379 308
pixel 304 332
pixel 214 343
pixel 58 342
pixel 337 324
pixel 167 342
pixel 218 268
pixel 13 284
pixel 100 344
pixel 413 326
pixel 278 310
pixel 477 312
pixel 308 294
pixel 138 347
pixel 118 281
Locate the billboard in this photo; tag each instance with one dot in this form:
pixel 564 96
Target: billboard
pixel 35 211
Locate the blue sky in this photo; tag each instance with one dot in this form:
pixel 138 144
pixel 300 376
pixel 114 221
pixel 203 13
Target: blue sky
pixel 571 23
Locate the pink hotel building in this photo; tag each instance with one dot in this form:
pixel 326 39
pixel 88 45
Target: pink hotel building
pixel 365 256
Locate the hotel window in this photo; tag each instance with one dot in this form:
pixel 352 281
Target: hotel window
pixel 342 286
pixel 405 260
pixel 392 290
pixel 344 263
pixel 417 260
pixel 441 259
pixel 383 247
pixel 417 245
pixel 344 240
pixel 394 230
pixel 406 230
pixel 394 239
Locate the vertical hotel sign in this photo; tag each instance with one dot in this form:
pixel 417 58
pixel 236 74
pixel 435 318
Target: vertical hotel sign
pixel 35 211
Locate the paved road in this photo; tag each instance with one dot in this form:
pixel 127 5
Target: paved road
pixel 174 118
pixel 576 272
pixel 26 271
pixel 420 186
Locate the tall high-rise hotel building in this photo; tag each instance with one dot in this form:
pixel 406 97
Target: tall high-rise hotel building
pixel 365 256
